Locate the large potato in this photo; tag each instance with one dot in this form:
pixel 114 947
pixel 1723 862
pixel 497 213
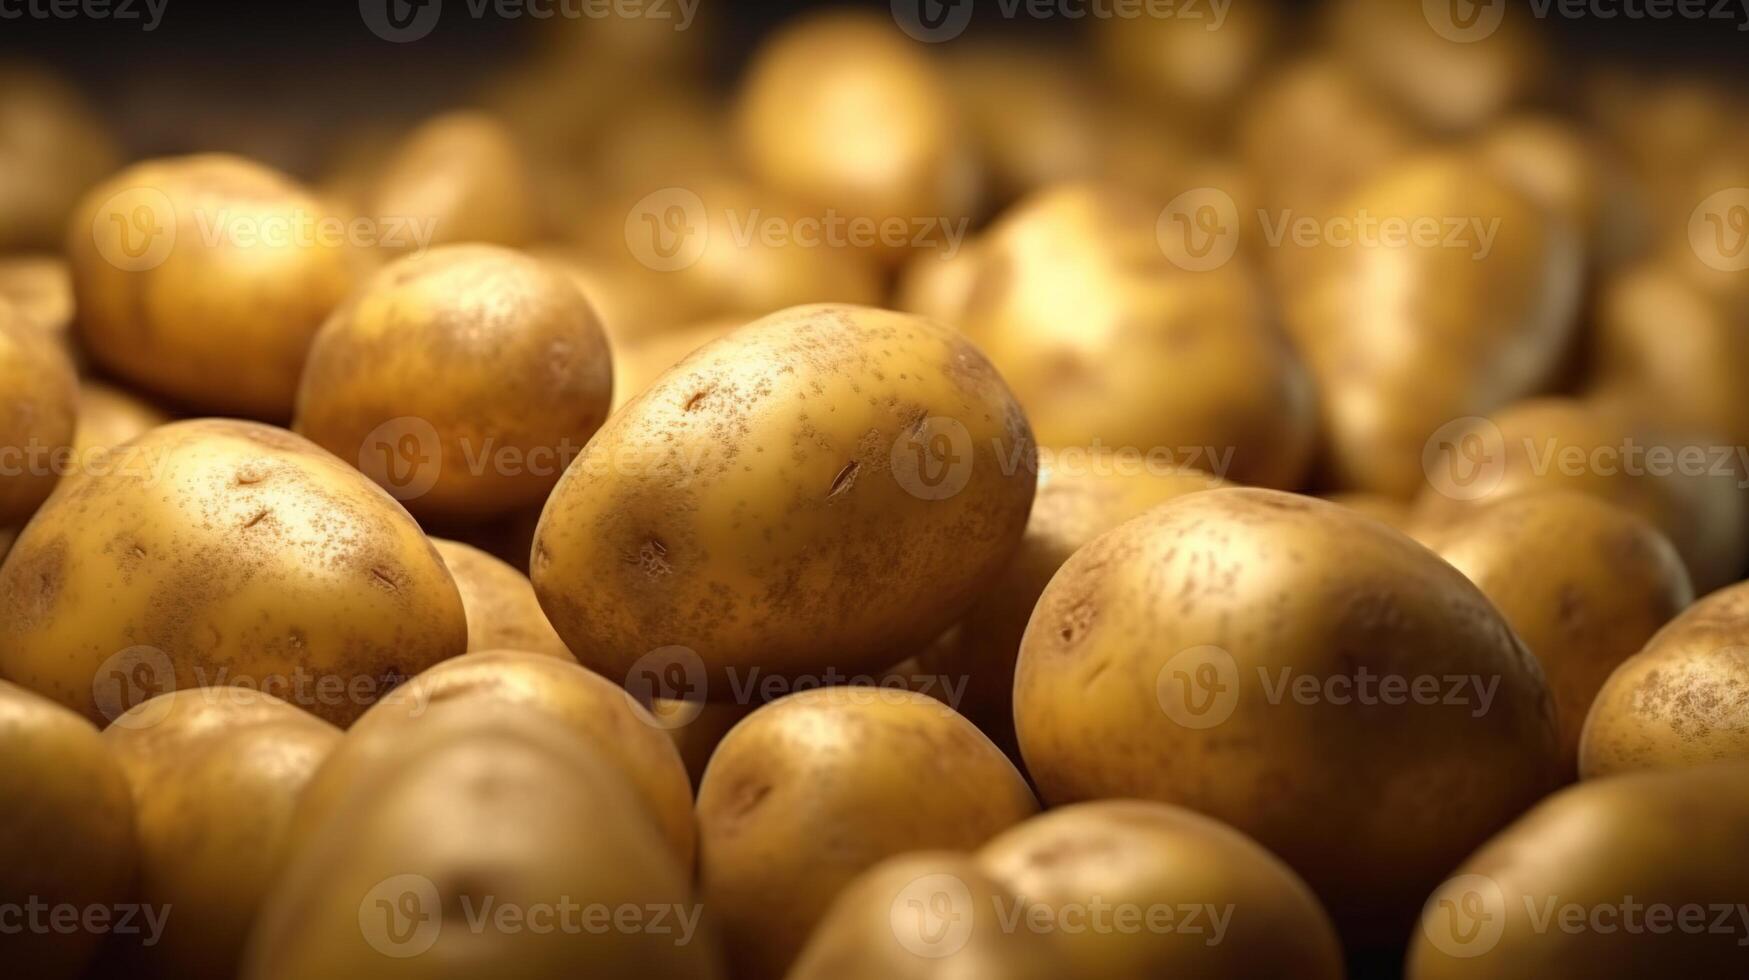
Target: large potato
pixel 459 177
pixel 52 149
pixel 1302 672
pixel 502 611
pixel 39 397
pixel 812 789
pixel 221 552
pixel 1640 875
pixel 463 380
pixel 66 836
pixel 827 471
pixel 215 773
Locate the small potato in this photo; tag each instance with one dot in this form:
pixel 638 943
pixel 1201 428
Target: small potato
pixel 1319 681
pixel 39 397
pixel 222 552
pixel 1681 701
pixel 503 613
pixel 463 380
pixel 1583 583
pixel 203 278
pixel 1238 910
pixel 66 832
pixel 827 471
pixel 813 789
pixel 1641 875
pixel 53 147
pixel 639 361
pixel 215 773
pixel 460 177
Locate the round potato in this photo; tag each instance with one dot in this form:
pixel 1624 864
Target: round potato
pixel 1096 868
pixel 825 471
pixel 1641 875
pixel 217 552
pixel 1295 669
pixel 463 380
pixel 203 278
pixel 215 773
pixel 52 149
pixel 503 613
pixel 813 789
pixel 39 403
pixel 1681 701
pixel 458 178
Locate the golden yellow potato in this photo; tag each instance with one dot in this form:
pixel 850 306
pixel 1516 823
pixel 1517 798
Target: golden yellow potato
pixel 494 844
pixel 1569 172
pixel 1682 700
pixel 639 361
pixel 939 285
pixel 825 471
pixel 1583 583
pixel 589 707
pixel 66 837
pixel 39 399
pixel 40 288
pixel 459 177
pixel 109 416
pixel 52 149
pixel 814 788
pixel 463 380
pixel 217 552
pixel 215 773
pixel 503 613
pixel 1193 62
pixel 203 278
pixel 1135 890
pixel 1640 875
pixel 1310 676
pixel 931 915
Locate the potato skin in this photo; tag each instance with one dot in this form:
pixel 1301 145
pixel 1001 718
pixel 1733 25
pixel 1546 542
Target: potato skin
pixel 231 553
pixel 462 178
pixel 37 416
pixel 812 789
pixel 1682 700
pixel 827 470
pixel 1613 849
pixel 1114 695
pixel 108 417
pixel 215 773
pixel 502 611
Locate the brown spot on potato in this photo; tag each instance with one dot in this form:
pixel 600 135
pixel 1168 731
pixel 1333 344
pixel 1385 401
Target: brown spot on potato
pixel 845 479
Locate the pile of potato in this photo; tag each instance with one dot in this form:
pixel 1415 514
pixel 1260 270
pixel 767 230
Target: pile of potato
pixel 1261 499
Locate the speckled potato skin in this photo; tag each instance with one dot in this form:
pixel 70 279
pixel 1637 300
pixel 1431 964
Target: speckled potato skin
pixel 1369 801
pixel 463 178
pixel 757 498
pixel 218 326
pixel 1582 582
pixel 39 398
pixel 1681 701
pixel 229 552
pixel 215 773
pixel 1139 854
pixel 586 704
pixel 1610 848
pixel 493 351
pixel 812 789
pixel 503 613
pixel 66 827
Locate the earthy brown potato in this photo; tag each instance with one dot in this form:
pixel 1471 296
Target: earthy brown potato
pixel 639 361
pixel 221 552
pixel 1640 875
pixel 66 834
pixel 1236 910
pixel 825 471
pixel 460 177
pixel 39 397
pixel 1583 583
pixel 215 773
pixel 203 278
pixel 813 789
pixel 462 380
pixel 1295 669
pixel 52 149
pixel 1681 701
pixel 503 613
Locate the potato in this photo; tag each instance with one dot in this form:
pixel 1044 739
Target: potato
pixel 39 396
pixel 937 285
pixel 814 788
pixel 825 471
pixel 109 417
pixel 1077 501
pixel 66 835
pixel 1192 63
pixel 1235 910
pixel 1310 676
pixel 1635 876
pixel 1583 583
pixel 589 707
pixel 7 536
pixel 503 613
pixel 1682 700
pixel 223 552
pixel 1567 171
pixel 215 773
pixel 639 361
pixel 1389 511
pixel 931 915
pixel 463 380
pixel 1030 109
pixel 52 149
pixel 496 843
pixel 203 278
pixel 697 727
pixel 459 177
pixel 40 288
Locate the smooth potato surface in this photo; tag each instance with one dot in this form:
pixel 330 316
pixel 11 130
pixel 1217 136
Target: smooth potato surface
pixel 502 611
